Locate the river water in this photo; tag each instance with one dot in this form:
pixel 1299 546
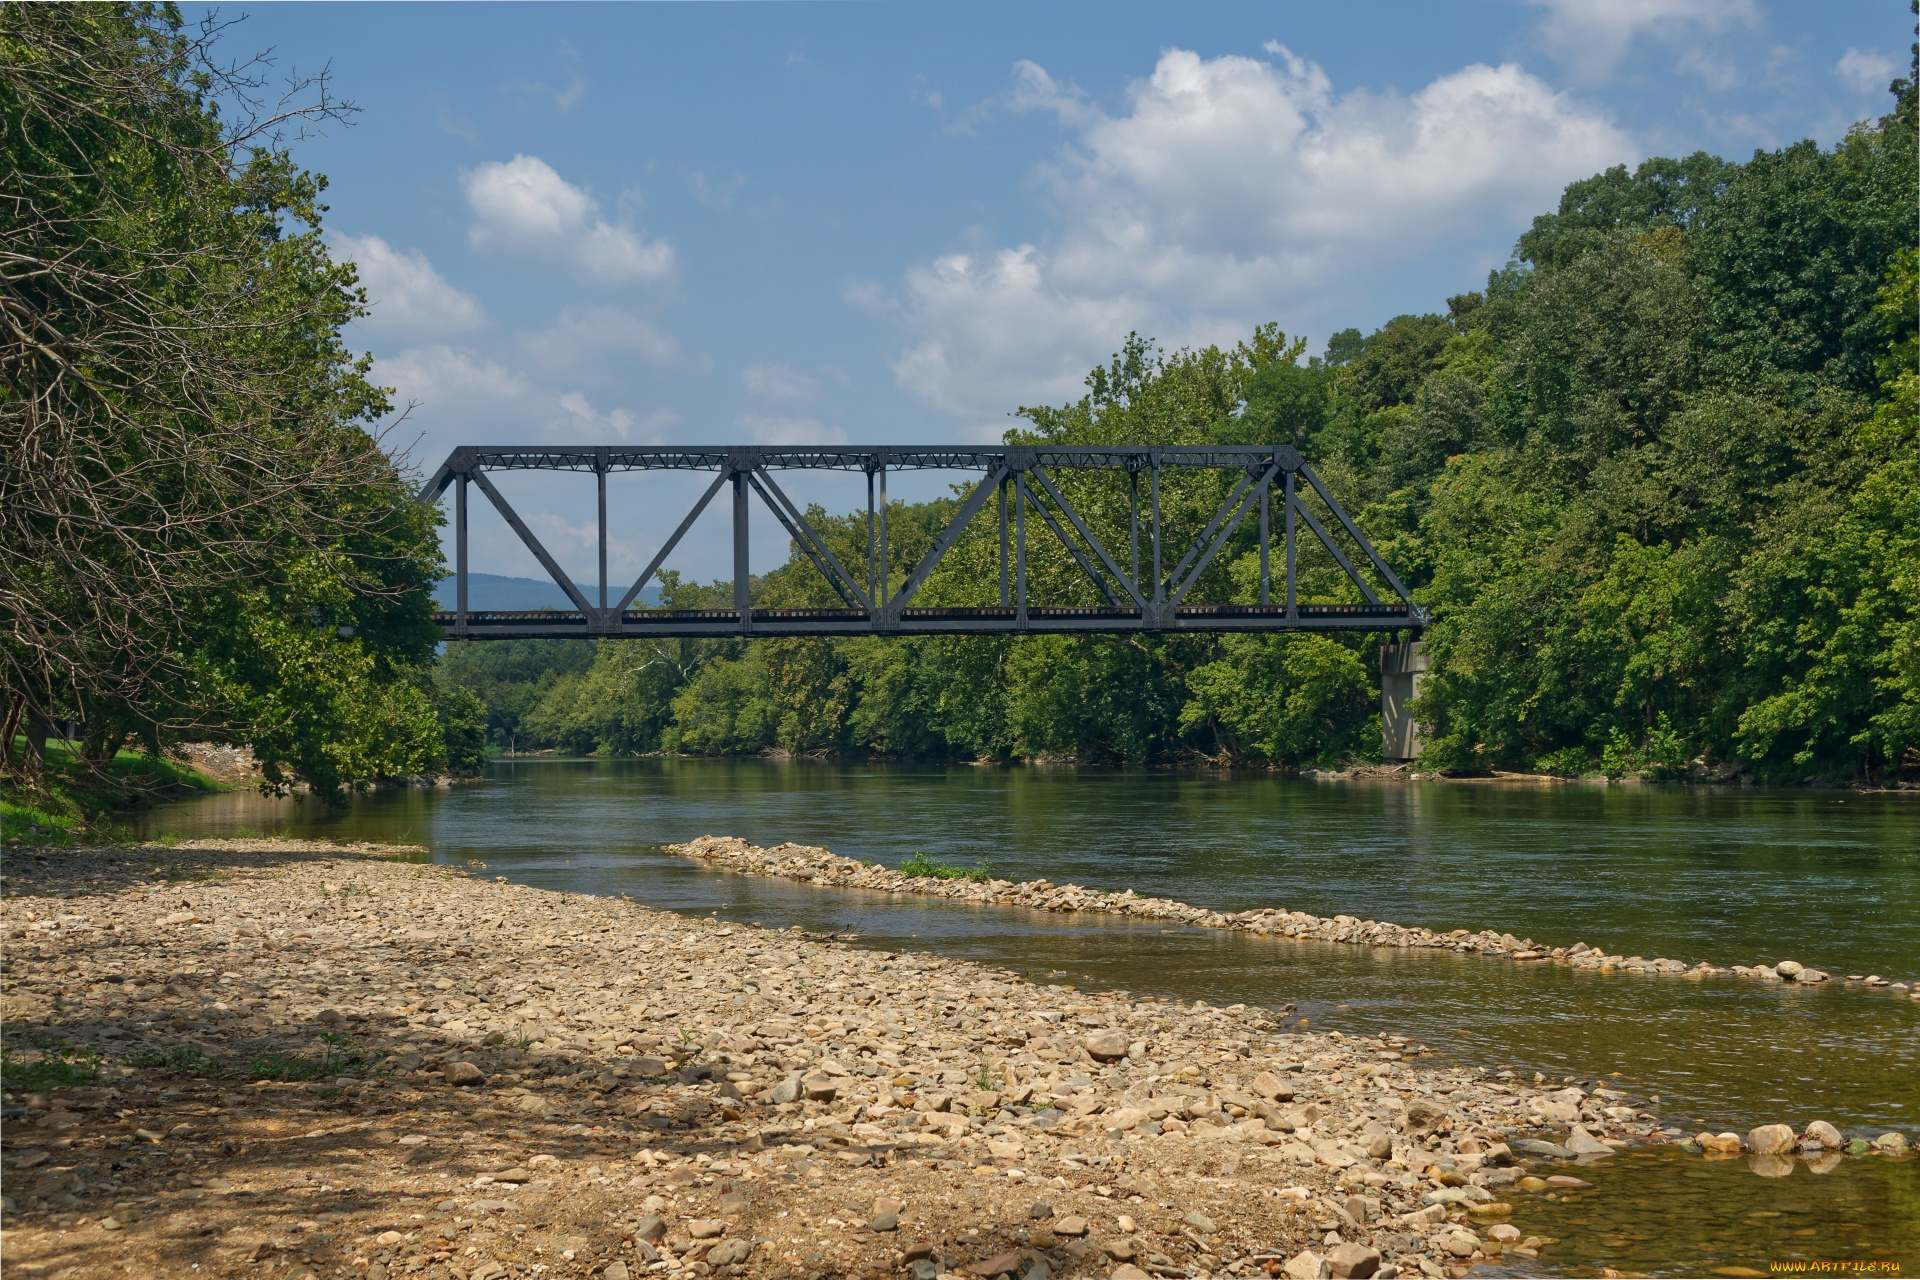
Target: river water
pixel 1829 878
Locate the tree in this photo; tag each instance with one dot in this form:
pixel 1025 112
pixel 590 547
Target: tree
pixel 198 534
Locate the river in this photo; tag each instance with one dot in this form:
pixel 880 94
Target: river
pixel 1829 878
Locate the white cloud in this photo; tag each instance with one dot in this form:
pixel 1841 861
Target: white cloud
pixel 523 210
pixel 466 398
pixel 443 378
pixel 582 336
pixel 1231 191
pixel 406 296
pixel 579 421
pixel 762 428
pixel 1592 36
pixel 715 193
pixel 778 382
pixel 1867 71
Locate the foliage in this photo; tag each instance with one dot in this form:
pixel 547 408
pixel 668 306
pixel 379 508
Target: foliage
pixel 202 536
pixel 920 867
pixel 49 1065
pixel 1659 483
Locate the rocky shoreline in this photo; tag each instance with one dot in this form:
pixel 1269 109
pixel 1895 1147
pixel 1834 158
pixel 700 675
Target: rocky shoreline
pixel 819 866
pixel 314 1061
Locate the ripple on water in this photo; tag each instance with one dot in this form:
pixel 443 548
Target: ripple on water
pixel 1664 1212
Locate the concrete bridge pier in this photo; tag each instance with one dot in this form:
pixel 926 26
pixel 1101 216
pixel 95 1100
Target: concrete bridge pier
pixel 1401 667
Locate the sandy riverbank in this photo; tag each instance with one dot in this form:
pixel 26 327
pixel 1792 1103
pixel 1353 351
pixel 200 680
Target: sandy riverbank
pixel 283 1030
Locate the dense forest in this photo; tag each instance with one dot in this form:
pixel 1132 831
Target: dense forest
pixel 1659 482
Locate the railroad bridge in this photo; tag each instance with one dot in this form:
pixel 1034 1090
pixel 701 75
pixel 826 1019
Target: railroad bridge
pixel 1017 492
pixel 1020 494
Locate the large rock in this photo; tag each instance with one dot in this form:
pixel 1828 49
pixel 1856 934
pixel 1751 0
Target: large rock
pixel 1771 1140
pixel 1824 1134
pixel 787 1090
pixel 729 1252
pixel 465 1074
pixel 1789 969
pixel 1307 1265
pixel 1582 1143
pixel 1273 1087
pixel 1425 1116
pixel 1354 1260
pixel 1109 1045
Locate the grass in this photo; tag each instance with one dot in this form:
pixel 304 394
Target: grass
pixel 339 1059
pixel 71 799
pixel 48 1064
pixel 180 1060
pixel 921 867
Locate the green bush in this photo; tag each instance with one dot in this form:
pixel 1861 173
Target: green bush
pixel 921 867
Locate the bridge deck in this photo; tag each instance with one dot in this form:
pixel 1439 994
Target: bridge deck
pixel 716 623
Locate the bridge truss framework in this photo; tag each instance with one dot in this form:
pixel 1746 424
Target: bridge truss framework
pixel 1018 476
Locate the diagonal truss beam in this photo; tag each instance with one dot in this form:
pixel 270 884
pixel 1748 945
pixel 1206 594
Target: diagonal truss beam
pixel 547 562
pixel 1340 514
pixel 1066 509
pixel 896 607
pixel 1248 491
pixel 1073 548
pixel 1334 549
pixel 1233 504
pixel 853 598
pixel 666 548
pixel 810 540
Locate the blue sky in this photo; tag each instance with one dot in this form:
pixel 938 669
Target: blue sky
pixel 881 223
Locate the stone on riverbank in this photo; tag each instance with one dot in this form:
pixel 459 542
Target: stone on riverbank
pixel 818 866
pixel 652 1086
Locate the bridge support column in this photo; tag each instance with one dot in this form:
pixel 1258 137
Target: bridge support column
pixel 1401 666
pixel 742 580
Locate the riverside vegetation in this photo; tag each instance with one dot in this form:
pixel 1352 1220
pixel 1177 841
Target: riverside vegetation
pixel 243 1056
pixel 1659 482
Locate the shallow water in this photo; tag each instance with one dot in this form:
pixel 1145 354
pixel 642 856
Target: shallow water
pixel 1829 878
pixel 1661 1212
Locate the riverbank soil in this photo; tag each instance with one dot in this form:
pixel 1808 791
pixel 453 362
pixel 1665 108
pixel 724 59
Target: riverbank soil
pixel 254 1057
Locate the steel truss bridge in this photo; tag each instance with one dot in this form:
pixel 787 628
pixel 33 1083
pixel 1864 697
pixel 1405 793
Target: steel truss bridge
pixel 1018 484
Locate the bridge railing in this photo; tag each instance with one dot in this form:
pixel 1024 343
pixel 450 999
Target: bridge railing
pixel 1019 480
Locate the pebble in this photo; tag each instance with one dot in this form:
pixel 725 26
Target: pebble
pixel 464 1074
pixel 819 866
pixel 674 1084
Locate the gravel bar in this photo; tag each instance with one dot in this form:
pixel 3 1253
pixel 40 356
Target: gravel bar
pixel 266 1057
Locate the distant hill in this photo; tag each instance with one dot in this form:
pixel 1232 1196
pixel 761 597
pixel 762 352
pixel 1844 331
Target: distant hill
pixel 487 591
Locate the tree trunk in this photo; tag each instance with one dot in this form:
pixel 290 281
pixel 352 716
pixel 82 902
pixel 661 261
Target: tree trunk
pixel 38 727
pixel 15 706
